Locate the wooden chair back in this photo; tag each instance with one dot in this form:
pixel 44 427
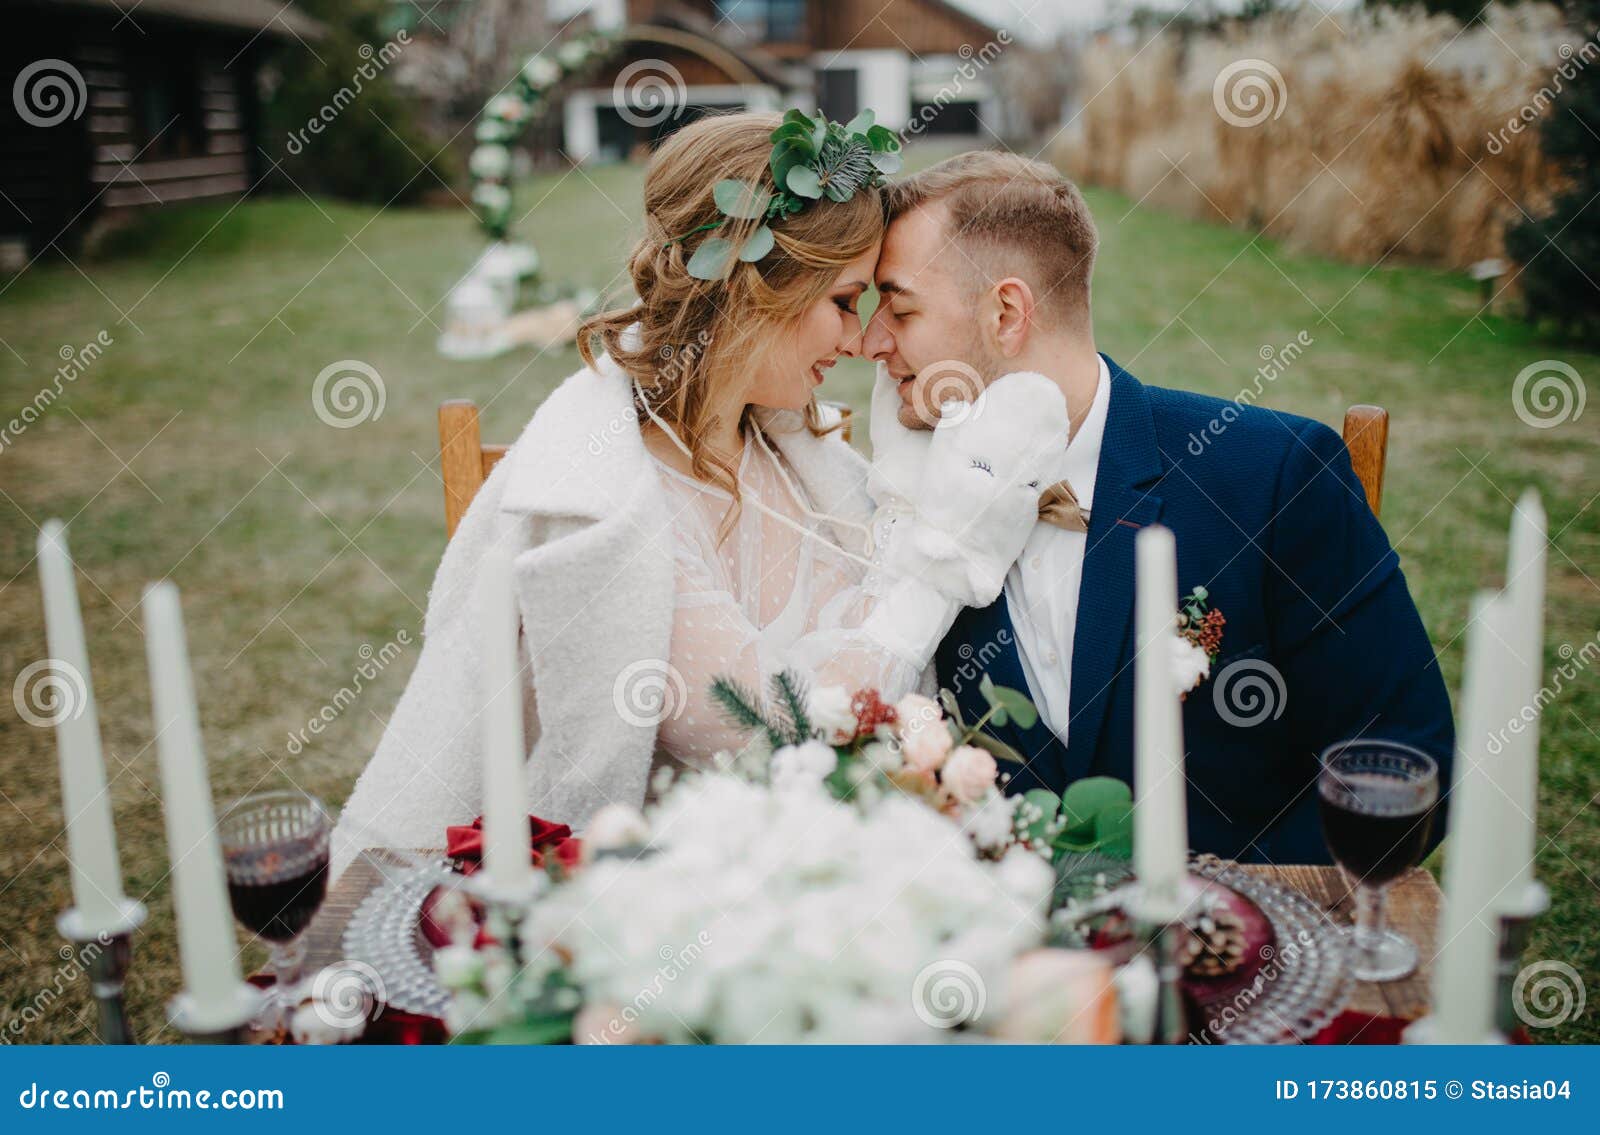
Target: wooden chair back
pixel 466 462
pixel 1366 436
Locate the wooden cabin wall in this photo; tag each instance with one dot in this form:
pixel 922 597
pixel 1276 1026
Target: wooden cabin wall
pixel 168 117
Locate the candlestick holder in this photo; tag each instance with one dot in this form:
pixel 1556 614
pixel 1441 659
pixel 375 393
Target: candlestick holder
pixel 506 907
pixel 1514 930
pixel 224 1023
pixel 1164 941
pixel 108 966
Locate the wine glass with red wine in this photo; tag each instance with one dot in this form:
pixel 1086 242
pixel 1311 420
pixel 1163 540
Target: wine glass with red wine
pixel 275 849
pixel 1377 800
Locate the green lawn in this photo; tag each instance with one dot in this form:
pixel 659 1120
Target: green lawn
pixel 191 449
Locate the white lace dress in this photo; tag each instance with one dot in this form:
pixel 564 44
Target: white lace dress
pixel 767 599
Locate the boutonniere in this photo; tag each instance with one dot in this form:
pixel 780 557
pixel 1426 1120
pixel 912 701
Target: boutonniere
pixel 1199 640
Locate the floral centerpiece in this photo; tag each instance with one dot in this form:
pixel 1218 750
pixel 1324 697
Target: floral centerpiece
pixel 853 874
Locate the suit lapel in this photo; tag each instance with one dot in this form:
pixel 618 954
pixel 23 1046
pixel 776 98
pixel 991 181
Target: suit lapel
pixel 1129 462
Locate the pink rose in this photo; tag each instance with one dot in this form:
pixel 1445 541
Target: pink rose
pixel 969 773
pixel 924 737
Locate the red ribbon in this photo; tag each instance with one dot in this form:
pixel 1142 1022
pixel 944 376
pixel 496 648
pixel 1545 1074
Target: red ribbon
pixel 464 844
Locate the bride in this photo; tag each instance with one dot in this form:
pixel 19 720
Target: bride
pixel 679 509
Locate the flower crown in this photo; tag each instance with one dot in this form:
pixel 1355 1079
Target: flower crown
pixel 811 158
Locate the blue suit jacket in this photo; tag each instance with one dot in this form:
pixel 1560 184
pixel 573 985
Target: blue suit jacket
pixel 1271 519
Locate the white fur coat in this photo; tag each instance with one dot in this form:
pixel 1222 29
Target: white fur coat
pixel 581 502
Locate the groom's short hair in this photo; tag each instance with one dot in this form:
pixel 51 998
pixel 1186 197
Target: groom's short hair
pixel 1012 217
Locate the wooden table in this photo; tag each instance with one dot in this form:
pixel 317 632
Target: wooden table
pixel 1413 910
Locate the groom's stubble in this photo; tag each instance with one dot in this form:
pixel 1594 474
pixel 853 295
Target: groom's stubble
pixel 964 372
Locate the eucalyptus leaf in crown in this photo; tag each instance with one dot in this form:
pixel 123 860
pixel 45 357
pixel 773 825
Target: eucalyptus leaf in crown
pixel 812 158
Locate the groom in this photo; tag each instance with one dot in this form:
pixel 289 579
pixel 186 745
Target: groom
pixel 985 270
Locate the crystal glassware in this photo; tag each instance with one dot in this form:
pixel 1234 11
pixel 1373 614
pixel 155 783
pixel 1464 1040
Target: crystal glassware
pixel 1377 800
pixel 275 849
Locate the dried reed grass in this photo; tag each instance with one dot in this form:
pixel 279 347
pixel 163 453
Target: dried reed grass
pixel 1369 133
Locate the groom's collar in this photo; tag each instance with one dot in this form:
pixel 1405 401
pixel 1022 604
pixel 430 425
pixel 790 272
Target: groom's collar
pixel 1128 452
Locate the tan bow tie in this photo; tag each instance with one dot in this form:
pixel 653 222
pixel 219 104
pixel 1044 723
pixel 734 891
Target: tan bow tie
pixel 1058 505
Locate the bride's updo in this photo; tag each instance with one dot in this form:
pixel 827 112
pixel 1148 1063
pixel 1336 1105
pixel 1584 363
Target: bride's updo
pixel 694 334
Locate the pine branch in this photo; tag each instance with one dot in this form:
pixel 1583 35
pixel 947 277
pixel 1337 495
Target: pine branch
pixel 741 708
pixel 789 692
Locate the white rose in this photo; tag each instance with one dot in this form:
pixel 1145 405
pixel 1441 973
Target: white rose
pixel 882 756
pixel 830 713
pixel 1190 664
pixel 924 736
pixel 969 773
pixel 466 1011
pixel 490 161
pixel 458 967
pixel 492 197
pixel 313 1023
pixel 1027 877
pixel 802 765
pixel 540 72
pixel 509 107
pixel 572 54
pixel 616 825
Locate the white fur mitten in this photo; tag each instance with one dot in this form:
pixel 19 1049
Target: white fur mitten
pixel 898 453
pixel 978 497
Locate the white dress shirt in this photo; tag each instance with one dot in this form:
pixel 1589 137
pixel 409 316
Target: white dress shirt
pixel 1042 586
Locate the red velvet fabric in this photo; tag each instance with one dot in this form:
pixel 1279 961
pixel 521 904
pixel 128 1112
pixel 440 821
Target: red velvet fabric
pixel 464 844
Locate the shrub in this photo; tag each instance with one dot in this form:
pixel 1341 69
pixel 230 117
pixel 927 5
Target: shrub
pixel 1559 251
pixel 368 146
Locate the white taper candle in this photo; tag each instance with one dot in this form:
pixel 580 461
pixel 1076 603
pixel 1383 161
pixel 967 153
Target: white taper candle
pixel 1464 980
pixel 206 941
pixel 1525 578
pixel 96 873
pixel 1160 824
pixel 505 793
